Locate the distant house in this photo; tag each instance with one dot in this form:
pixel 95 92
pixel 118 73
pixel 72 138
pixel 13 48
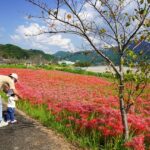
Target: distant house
pixel 3 61
pixel 66 62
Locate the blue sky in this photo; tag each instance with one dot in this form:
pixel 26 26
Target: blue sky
pixel 13 23
pixel 14 26
pixel 12 14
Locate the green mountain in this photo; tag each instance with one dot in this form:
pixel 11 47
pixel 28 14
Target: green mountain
pixel 95 59
pixel 62 54
pixel 86 56
pixel 9 51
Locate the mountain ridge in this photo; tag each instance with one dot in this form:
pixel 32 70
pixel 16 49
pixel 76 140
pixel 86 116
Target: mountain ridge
pixel 95 59
pixel 9 51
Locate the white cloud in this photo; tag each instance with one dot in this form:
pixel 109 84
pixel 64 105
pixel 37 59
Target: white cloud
pixel 32 29
pixel 59 41
pixel 28 36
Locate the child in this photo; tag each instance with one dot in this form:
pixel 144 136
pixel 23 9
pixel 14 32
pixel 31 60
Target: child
pixel 10 118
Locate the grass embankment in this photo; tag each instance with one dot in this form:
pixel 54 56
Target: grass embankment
pixel 85 138
pixel 93 140
pixel 88 140
pixel 65 68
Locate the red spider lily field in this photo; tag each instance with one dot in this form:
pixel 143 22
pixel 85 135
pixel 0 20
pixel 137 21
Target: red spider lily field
pixel 86 106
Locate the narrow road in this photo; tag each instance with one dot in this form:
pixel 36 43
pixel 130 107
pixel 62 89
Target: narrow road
pixel 28 134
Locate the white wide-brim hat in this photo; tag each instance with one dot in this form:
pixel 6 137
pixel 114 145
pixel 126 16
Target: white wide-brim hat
pixel 14 75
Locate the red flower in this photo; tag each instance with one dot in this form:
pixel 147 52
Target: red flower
pixel 137 143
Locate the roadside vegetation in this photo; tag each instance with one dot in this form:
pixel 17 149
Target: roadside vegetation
pixel 84 108
pixel 63 67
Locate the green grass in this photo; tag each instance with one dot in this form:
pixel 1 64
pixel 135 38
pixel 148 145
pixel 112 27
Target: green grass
pixel 70 69
pixel 80 71
pixel 92 140
pixel 21 66
pixel 40 113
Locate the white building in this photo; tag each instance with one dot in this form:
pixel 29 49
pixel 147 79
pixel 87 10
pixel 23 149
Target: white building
pixel 66 62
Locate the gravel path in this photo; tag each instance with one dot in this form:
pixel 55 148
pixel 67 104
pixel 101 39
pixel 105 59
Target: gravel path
pixel 28 134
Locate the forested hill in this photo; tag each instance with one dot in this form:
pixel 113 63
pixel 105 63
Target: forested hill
pixel 93 58
pixel 9 51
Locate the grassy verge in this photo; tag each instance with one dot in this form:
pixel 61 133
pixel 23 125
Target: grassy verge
pixel 70 69
pixel 12 66
pixel 40 113
pixel 91 140
pixel 18 66
pixel 86 140
pixel 80 71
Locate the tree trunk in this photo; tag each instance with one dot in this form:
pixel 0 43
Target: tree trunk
pixel 122 105
pixel 123 112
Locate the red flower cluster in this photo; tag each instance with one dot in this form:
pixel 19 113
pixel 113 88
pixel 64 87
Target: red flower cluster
pixel 86 102
pixel 137 143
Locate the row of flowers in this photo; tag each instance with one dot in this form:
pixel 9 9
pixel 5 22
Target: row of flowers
pixel 87 103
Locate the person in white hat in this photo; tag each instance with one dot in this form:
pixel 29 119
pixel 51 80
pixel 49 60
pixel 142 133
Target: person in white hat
pixel 9 80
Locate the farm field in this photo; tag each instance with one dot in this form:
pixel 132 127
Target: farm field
pixel 88 106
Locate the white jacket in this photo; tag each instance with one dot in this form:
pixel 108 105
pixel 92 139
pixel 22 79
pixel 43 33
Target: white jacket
pixel 11 101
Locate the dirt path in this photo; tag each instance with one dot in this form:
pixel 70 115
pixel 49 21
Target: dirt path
pixel 28 134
